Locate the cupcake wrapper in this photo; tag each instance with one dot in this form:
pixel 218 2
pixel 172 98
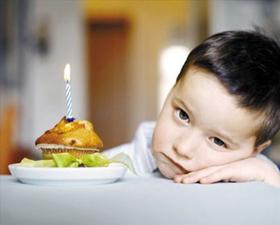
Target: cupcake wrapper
pixel 76 153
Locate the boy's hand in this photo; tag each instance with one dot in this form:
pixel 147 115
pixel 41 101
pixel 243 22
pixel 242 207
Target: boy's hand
pixel 251 169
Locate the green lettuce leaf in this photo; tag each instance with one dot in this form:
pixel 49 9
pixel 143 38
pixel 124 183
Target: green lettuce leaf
pixel 95 160
pixel 125 160
pixel 38 163
pixel 66 160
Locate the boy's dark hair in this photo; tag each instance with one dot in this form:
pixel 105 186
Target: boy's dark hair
pixel 247 63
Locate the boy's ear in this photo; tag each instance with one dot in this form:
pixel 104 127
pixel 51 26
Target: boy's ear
pixel 258 149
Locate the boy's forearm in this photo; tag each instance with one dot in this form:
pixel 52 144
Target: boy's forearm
pixel 250 169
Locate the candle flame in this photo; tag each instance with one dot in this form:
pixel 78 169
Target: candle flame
pixel 67 71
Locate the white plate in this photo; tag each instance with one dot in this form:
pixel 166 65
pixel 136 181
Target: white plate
pixel 72 176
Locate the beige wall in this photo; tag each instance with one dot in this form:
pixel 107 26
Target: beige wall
pixel 151 25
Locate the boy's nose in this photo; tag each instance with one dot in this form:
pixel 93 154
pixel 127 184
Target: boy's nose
pixel 186 145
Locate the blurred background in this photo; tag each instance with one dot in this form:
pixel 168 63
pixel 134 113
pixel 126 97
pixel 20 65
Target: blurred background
pixel 124 56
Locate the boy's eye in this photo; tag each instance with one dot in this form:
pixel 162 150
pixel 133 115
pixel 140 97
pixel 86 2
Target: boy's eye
pixel 182 114
pixel 218 141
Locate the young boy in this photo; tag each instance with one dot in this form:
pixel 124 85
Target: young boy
pixel 222 112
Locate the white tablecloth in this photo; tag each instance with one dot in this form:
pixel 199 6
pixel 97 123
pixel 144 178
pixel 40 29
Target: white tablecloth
pixel 143 201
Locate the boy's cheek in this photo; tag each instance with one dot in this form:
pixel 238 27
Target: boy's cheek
pixel 161 141
pixel 156 144
pixel 165 170
pixel 162 165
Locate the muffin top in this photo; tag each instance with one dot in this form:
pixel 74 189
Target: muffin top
pixel 79 133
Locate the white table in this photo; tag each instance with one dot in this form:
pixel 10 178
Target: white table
pixel 143 201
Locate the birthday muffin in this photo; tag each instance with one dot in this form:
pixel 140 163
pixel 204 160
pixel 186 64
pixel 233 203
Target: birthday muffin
pixel 77 138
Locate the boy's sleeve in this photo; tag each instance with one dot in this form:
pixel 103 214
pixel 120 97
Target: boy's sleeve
pixel 139 150
pixel 142 146
pixel 263 157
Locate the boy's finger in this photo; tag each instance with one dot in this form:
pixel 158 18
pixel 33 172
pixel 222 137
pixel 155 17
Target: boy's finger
pixel 178 178
pixel 187 178
pixel 195 176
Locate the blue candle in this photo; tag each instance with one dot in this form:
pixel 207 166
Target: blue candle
pixel 69 112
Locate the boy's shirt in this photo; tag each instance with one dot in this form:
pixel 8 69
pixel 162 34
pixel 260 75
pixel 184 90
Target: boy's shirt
pixel 139 150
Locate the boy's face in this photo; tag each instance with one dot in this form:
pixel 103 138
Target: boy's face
pixel 201 125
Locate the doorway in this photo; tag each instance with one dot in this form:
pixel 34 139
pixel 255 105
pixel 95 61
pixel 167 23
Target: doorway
pixel 107 47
